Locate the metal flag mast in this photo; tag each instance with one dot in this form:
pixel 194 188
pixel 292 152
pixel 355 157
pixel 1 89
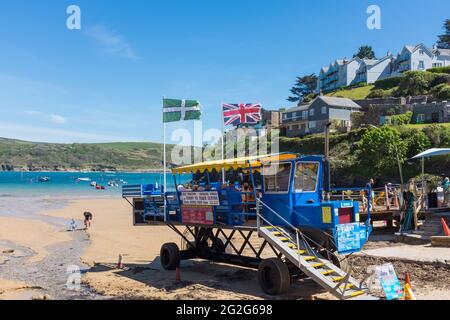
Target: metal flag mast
pixel 164 163
pixel 223 140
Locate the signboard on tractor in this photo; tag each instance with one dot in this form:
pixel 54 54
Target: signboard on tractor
pixel 202 198
pixel 197 215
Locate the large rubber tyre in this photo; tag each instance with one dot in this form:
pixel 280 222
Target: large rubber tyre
pixel 218 246
pixel 170 256
pixel 273 276
pixel 340 261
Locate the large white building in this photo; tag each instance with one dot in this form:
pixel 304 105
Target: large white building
pixel 346 72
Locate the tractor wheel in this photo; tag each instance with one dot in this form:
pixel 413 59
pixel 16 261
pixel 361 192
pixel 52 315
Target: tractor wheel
pixel 218 246
pixel 340 261
pixel 273 276
pixel 170 256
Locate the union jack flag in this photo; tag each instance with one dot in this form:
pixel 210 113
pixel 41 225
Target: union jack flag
pixel 244 113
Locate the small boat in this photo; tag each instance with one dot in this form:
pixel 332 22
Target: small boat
pixel 93 184
pixel 44 179
pixel 99 187
pixel 83 179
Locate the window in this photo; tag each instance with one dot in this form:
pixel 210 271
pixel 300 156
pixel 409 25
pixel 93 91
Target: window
pixel 420 118
pixel 421 52
pixel 437 65
pixel 312 124
pixel 421 65
pixel 305 115
pixel 294 115
pixel 311 112
pixel 306 174
pixel 276 178
pixel 324 110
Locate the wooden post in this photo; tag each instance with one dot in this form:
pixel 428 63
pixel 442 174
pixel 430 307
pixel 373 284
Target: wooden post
pixel 387 197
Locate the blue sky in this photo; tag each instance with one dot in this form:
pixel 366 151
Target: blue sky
pixel 106 81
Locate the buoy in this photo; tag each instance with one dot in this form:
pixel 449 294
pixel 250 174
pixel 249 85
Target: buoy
pixel 178 275
pixel 445 227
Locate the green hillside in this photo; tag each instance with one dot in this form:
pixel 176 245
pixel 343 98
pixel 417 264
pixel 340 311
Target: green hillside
pixel 23 155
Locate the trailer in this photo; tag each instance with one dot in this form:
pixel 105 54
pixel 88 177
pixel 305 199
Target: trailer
pixel 283 225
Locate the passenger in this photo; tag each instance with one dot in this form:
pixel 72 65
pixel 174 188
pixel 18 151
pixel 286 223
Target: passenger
pixel 207 187
pixel 195 188
pixel 181 188
pixel 369 186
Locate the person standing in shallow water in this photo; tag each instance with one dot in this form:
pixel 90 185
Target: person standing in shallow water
pixel 87 219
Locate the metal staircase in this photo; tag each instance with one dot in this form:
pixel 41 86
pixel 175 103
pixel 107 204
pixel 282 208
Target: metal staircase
pixel 296 249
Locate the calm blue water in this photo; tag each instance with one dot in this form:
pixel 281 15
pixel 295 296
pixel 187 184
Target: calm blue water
pixel 65 183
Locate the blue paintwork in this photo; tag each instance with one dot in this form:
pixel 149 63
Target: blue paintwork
pixel 304 210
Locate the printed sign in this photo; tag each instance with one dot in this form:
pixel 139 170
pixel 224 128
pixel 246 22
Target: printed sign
pixel 197 215
pixel 389 281
pixel 201 198
pixel 326 215
pixel 348 237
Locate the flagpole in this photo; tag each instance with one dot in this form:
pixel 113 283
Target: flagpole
pixel 223 141
pixel 165 164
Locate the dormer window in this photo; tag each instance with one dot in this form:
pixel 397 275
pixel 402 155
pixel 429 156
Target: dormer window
pixel 421 52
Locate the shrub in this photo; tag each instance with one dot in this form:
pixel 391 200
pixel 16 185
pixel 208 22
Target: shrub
pixel 435 90
pixel 388 83
pixel 440 78
pixel 440 70
pixel 401 119
pixel 444 94
pixel 415 83
pixel 378 93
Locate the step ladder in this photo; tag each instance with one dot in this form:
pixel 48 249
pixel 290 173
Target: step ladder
pixel 320 270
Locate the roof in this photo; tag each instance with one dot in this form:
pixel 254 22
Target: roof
pixel 298 108
pixel 339 102
pixel 443 52
pixel 432 153
pixel 254 162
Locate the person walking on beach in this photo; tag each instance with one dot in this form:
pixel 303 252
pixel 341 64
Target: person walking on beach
pixel 446 187
pixel 87 219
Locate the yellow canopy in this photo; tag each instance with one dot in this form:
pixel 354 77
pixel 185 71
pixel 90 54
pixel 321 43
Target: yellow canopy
pixel 245 163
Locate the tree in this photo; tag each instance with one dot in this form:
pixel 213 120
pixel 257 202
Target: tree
pixel 415 83
pixel 365 52
pixel 378 150
pixel 444 39
pixel 303 86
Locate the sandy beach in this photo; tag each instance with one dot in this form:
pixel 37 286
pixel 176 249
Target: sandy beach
pixel 43 247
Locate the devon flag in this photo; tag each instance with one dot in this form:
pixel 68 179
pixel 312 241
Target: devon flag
pixel 181 110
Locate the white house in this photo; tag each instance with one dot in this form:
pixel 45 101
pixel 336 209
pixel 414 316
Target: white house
pixel 346 72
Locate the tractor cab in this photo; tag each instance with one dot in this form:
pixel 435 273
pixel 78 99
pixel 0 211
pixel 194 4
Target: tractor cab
pixel 293 195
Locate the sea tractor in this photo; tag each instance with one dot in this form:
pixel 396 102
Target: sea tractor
pixel 271 214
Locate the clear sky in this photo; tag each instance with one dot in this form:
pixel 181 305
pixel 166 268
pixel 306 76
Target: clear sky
pixel 106 81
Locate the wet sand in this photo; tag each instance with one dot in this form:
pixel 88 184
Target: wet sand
pixel 43 261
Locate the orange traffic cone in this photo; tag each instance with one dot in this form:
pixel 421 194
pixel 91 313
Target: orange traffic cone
pixel 408 294
pixel 407 279
pixel 445 227
pixel 178 275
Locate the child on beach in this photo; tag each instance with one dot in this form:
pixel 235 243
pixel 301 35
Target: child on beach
pixel 73 225
pixel 87 219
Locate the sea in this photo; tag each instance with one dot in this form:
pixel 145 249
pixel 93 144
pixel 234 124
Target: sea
pixel 68 184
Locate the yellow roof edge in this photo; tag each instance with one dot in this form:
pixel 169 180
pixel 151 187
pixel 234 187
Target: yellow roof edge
pixel 254 162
